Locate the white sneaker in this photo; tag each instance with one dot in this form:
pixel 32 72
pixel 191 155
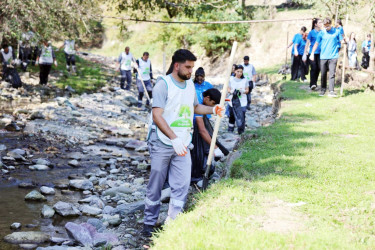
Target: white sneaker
pixel 305 80
pixel 313 87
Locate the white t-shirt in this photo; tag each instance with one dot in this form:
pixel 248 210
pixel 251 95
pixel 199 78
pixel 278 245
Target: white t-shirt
pixel 239 84
pixel 125 61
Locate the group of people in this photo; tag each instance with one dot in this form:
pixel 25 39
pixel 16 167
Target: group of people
pixel 319 50
pixel 38 52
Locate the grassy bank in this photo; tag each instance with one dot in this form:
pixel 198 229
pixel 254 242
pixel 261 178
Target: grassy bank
pixel 305 182
pixel 89 76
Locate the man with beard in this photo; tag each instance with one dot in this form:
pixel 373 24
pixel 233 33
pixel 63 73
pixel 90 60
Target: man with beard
pixel 173 107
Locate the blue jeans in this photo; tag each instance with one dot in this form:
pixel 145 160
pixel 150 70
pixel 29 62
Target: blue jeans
pixel 126 75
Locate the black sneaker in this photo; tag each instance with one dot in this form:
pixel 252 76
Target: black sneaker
pixel 147 230
pixel 322 92
pixel 313 87
pixel 332 94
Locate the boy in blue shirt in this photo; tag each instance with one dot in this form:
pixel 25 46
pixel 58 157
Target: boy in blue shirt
pixel 329 39
pixel 366 46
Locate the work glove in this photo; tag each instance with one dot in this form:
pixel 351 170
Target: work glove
pixel 55 62
pixel 218 110
pixel 218 153
pixel 179 147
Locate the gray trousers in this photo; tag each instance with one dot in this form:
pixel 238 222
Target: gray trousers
pixel 165 161
pixel 126 75
pixel 328 65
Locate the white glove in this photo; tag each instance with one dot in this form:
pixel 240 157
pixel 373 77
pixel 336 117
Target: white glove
pixel 218 153
pixel 218 110
pixel 55 62
pixel 304 57
pixel 179 147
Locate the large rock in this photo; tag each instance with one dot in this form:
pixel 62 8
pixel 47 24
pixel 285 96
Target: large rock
pixel 125 209
pixel 74 163
pixel 42 162
pixel 16 156
pixel 19 151
pixel 66 209
pixel 27 238
pixel 93 201
pixel 47 190
pixel 113 220
pixel 47 212
pixel 36 115
pixel 121 189
pixel 89 210
pixel 35 196
pixel 87 235
pixel 81 184
pixel 75 156
pixel 39 167
pixel 16 226
pixel 131 100
pixel 134 144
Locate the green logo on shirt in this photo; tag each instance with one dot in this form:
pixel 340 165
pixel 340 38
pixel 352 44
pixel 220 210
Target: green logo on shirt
pixel 184 120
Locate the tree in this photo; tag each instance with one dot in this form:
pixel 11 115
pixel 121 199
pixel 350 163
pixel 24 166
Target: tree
pixel 48 18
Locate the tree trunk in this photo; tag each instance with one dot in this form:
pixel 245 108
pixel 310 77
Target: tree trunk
pixel 372 54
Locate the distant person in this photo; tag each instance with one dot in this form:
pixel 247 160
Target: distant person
pixel 45 60
pixel 238 86
pixel 366 46
pixel 250 74
pixel 329 39
pixel 125 64
pixel 10 74
pixel 26 43
pixel 352 51
pixel 144 72
pixel 70 49
pixel 7 57
pixel 303 67
pixel 201 85
pixel 232 72
pixel 297 53
pixel 314 64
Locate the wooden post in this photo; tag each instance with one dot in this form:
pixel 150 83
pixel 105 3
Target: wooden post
pixel 218 118
pixel 344 60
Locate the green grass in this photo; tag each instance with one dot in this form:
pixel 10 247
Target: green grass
pixel 321 152
pixel 89 77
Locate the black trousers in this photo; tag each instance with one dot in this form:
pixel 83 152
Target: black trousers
pixel 44 72
pixel 232 120
pixel 314 69
pixel 25 53
pixel 325 66
pixel 365 60
pixel 298 68
pixel 70 59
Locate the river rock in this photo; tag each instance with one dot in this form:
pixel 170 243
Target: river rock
pixel 2 147
pixel 47 212
pixel 113 220
pixel 12 127
pixel 134 144
pixel 42 162
pixel 19 151
pixel 75 156
pixel 121 189
pixel 15 226
pixel 28 246
pixel 87 235
pixel 90 210
pixel 139 181
pixel 76 113
pixel 93 201
pixel 131 100
pixel 60 248
pixel 36 115
pixel 47 190
pixel 74 163
pixel 39 167
pixel 81 184
pixel 26 185
pixel 165 194
pixel 27 238
pixel 125 209
pixel 16 156
pixel 66 209
pixel 35 196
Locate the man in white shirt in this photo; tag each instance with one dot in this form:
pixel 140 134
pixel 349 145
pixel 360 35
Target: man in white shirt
pixel 125 65
pixel 250 74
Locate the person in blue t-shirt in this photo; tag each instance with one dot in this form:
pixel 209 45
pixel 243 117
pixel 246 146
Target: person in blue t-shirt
pixel 314 64
pixel 340 27
pixel 200 84
pixel 297 52
pixel 366 46
pixel 329 39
